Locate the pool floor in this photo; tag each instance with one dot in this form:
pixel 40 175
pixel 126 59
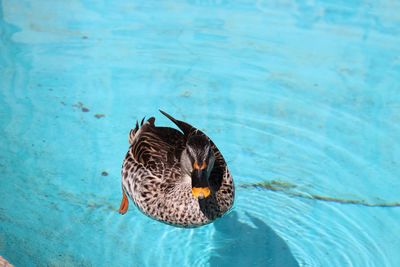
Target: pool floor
pixel 301 97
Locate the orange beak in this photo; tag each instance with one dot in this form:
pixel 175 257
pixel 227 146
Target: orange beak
pixel 201 192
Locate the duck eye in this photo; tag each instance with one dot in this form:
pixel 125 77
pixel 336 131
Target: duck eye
pixel 196 165
pixel 203 165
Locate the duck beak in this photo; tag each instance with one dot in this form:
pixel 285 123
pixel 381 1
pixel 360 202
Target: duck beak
pixel 201 192
pixel 200 186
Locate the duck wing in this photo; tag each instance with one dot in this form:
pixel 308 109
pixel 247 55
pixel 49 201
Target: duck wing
pixel 158 149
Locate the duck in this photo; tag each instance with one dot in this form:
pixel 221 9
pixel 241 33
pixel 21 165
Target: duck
pixel 178 177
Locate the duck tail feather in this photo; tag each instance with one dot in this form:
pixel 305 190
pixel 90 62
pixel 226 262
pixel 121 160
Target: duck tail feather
pixel 132 133
pixel 141 123
pixel 185 127
pixel 151 120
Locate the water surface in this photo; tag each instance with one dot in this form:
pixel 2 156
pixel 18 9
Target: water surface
pixel 303 93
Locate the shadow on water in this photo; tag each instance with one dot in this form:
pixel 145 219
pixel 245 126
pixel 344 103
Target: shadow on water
pixel 242 244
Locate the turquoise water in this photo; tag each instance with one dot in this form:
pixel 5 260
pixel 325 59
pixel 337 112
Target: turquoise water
pixel 302 93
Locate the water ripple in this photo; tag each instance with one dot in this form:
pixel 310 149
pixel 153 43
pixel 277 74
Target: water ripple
pixel 304 93
pixel 313 229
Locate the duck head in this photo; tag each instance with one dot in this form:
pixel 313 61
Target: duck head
pixel 197 161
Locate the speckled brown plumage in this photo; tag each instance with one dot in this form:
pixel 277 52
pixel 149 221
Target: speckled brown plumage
pixel 153 179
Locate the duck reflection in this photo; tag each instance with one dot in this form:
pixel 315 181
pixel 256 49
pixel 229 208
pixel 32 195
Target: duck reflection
pixel 241 244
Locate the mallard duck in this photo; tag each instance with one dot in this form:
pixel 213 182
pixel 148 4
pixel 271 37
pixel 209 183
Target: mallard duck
pixel 179 178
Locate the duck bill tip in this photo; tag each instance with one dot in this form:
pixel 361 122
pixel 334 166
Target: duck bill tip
pixel 201 192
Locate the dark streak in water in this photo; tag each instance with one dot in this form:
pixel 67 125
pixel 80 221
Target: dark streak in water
pixel 98 116
pixel 81 107
pixel 286 188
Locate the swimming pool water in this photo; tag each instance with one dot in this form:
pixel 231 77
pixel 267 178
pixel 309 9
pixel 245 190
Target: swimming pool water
pixel 302 96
